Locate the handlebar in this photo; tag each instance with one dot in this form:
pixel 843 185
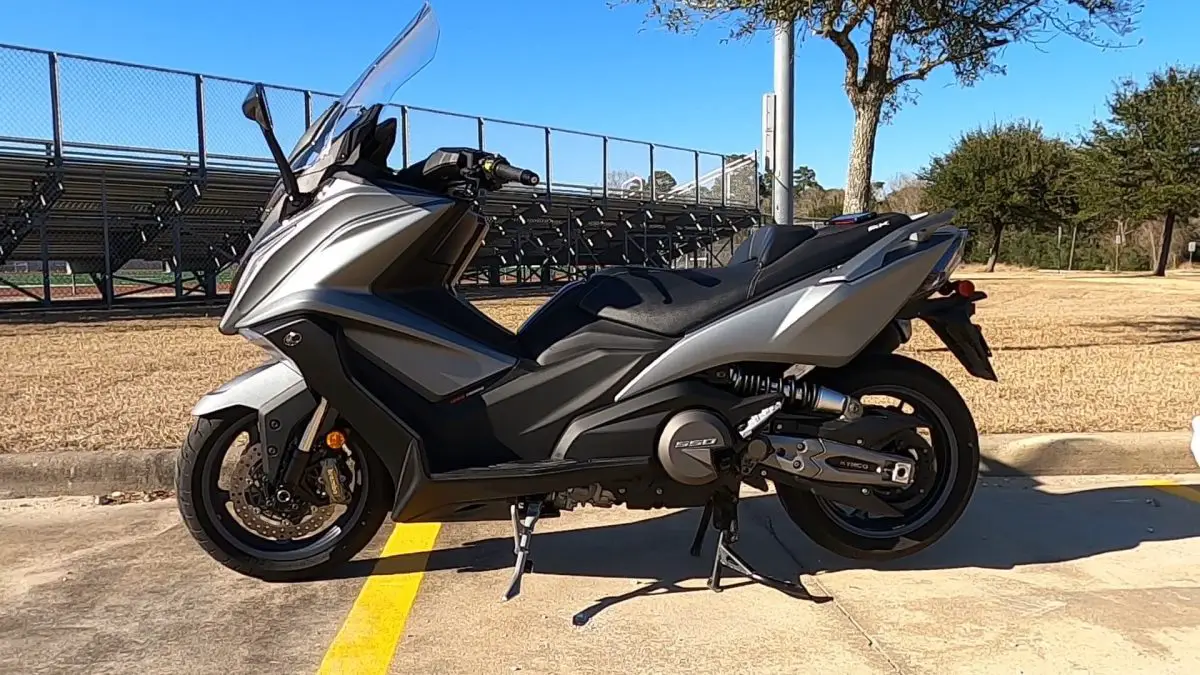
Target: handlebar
pixel 512 174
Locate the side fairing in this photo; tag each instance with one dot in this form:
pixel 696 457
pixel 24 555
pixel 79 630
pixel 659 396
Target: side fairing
pixel 823 320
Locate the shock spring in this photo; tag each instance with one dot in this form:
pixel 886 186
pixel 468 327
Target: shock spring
pixel 797 392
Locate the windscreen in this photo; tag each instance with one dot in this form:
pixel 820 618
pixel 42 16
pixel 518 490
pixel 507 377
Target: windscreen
pixel 411 51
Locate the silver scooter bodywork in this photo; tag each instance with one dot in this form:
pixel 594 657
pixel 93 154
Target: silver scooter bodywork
pixel 824 320
pixel 337 248
pixel 262 389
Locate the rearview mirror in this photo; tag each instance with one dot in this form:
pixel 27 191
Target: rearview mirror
pixel 254 107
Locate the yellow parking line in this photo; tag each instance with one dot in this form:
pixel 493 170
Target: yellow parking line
pixel 1171 487
pixel 368 638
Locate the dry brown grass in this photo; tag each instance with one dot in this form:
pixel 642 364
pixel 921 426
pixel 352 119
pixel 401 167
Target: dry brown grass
pixel 1078 352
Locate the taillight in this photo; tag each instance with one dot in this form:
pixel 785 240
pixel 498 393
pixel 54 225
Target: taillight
pixel 962 287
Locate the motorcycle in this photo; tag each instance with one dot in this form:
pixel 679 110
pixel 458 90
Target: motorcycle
pixel 388 394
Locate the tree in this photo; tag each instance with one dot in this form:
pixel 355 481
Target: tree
pixel 889 44
pixel 804 178
pixel 904 194
pixel 1143 163
pixel 1005 175
pixel 618 177
pixel 664 182
pixel 816 202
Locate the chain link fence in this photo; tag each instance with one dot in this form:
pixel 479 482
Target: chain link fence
pixel 119 180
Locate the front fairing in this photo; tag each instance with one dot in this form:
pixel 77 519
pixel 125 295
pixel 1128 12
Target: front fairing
pixel 320 153
pixel 350 235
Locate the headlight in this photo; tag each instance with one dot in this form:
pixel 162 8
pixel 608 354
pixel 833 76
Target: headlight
pixel 265 344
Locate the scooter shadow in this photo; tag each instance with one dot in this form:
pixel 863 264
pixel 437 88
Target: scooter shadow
pixel 1009 524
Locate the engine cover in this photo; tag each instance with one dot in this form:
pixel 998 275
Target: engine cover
pixel 686 445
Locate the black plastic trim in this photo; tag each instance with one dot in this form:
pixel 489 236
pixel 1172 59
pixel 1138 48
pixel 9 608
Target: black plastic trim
pixel 318 357
pixel 950 319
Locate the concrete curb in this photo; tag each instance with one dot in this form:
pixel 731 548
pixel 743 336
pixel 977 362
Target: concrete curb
pixel 52 474
pixel 1150 452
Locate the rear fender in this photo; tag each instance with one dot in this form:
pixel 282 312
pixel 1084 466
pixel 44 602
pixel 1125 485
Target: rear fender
pixel 950 319
pixel 277 392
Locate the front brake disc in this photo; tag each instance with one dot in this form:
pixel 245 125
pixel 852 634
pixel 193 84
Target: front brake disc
pixel 258 510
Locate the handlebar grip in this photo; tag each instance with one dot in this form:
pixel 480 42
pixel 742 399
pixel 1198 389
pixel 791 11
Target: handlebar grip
pixel 512 174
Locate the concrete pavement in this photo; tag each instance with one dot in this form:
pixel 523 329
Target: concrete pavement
pixel 1081 574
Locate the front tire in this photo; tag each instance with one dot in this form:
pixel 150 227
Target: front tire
pixel 237 547
pixel 956 454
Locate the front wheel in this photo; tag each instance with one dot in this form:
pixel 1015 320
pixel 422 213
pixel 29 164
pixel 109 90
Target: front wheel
pixel 229 509
pixel 947 465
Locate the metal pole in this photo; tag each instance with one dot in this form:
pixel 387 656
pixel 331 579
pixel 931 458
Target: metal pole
pixel 604 170
pixel 653 192
pixel 201 132
pixel 785 61
pixel 107 290
pixel 548 183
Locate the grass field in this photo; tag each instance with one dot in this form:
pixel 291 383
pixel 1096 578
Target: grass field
pixel 1075 352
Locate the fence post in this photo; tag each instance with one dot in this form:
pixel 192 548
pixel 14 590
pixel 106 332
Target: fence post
pixel 604 168
pixel 56 109
pixel 725 184
pixel 549 159
pixel 653 187
pixel 479 122
pixel 307 109
pixel 201 142
pixel 56 119
pixel 696 183
pixel 757 196
pixel 107 290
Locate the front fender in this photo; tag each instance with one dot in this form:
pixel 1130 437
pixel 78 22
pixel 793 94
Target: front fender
pixel 277 392
pixel 254 389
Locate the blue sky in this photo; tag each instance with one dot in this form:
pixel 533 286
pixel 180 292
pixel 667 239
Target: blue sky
pixel 576 64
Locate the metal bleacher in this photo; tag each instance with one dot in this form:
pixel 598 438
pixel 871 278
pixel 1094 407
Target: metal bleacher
pixel 92 215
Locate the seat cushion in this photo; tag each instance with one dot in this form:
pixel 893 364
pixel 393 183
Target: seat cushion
pixel 769 242
pixel 665 301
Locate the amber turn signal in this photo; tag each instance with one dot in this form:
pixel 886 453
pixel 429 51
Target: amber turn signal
pixel 335 439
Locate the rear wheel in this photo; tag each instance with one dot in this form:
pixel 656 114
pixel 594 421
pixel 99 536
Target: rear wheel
pixel 228 508
pixel 947 464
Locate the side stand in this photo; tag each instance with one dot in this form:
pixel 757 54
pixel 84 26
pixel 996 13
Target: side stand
pixel 524 517
pixel 721 511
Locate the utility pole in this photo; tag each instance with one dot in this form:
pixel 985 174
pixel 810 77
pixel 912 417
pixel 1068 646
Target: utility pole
pixel 784 122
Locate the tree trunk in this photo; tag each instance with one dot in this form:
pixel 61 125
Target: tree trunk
pixel 867 111
pixel 994 254
pixel 1164 253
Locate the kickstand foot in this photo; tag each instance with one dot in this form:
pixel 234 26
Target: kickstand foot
pixel 724 515
pixel 524 518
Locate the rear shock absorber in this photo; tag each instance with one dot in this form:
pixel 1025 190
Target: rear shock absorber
pixel 796 392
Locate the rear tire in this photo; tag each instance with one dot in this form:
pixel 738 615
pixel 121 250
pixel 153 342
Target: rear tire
pixel 206 444
pixel 883 372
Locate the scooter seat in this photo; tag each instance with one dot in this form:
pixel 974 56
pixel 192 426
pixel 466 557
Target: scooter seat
pixel 670 302
pixel 829 247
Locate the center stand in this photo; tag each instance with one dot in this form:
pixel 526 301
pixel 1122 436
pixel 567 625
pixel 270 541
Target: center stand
pixel 721 511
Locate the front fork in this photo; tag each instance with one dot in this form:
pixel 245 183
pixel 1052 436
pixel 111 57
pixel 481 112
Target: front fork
pixel 297 463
